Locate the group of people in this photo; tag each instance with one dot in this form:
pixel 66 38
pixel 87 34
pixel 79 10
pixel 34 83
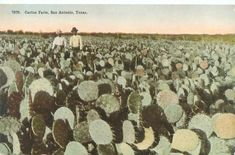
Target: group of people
pixel 75 42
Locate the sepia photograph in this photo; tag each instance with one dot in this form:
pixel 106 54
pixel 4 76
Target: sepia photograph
pixel 117 79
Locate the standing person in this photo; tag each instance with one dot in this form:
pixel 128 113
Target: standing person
pixel 59 41
pixel 58 46
pixel 75 41
pixel 76 45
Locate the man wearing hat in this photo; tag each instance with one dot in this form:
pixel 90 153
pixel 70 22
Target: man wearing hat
pixel 59 41
pixel 75 43
pixel 58 46
pixel 76 40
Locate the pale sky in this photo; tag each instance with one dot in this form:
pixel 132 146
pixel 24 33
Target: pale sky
pixel 164 19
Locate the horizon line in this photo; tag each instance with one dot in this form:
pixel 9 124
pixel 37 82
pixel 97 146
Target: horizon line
pixel 152 33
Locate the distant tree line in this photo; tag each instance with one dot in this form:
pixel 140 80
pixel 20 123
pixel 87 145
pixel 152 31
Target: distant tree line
pixel 230 38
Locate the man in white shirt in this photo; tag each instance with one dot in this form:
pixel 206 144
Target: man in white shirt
pixel 58 47
pixel 76 40
pixel 76 45
pixel 59 41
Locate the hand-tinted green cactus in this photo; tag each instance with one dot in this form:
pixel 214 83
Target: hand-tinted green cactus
pixel 92 115
pixel 202 122
pixel 100 132
pixel 38 125
pixel 75 148
pixel 147 99
pixel 134 102
pixel 173 113
pixel 13 64
pixel 163 147
pixel 88 90
pixel 10 75
pixel 108 103
pixel 125 149
pixel 24 108
pixel 9 125
pixel 128 132
pixel 4 149
pixel 81 133
pixel 218 146
pixel 135 117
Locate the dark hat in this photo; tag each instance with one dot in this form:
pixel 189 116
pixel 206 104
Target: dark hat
pixel 74 29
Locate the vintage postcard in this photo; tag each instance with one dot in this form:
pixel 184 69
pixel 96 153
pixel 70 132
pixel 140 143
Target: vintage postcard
pixel 117 79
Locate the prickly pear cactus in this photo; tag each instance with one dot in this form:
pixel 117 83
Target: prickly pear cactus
pixel 3 78
pixel 92 115
pixel 173 113
pixel 19 80
pixel 9 74
pixel 60 132
pixel 163 147
pixel 125 149
pixel 135 117
pixel 88 90
pixel 24 108
pixel 106 149
pixel 41 84
pixel 128 132
pixel 4 149
pixel 218 146
pixel 75 148
pixel 223 125
pixel 13 64
pixel 134 102
pixel 148 139
pixel 81 133
pixel 167 97
pixel 185 140
pixel 65 113
pixel 202 122
pixel 9 125
pixel 14 101
pixel 38 125
pixel 147 99
pixel 108 103
pixel 100 132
